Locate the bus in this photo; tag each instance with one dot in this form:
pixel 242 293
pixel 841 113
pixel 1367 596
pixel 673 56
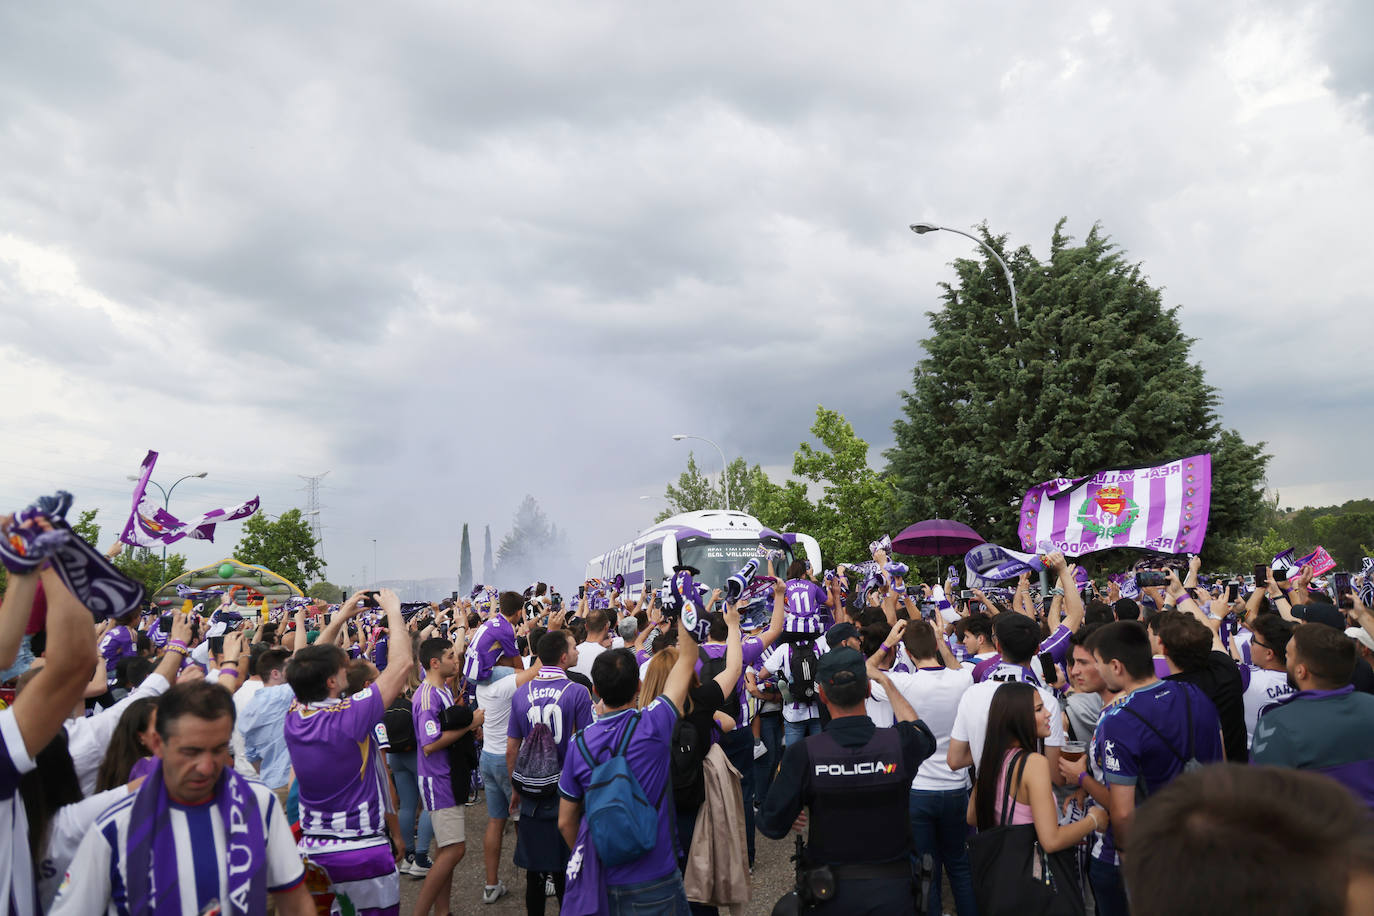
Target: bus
pixel 715 541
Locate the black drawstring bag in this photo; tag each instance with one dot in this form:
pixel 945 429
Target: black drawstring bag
pixel 1013 875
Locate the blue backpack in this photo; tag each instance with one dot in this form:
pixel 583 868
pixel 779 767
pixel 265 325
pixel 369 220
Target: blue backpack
pixel 622 821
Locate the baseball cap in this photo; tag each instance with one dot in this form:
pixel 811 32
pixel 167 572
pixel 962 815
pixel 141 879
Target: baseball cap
pixel 1320 613
pixel 841 666
pixel 1361 635
pixel 840 632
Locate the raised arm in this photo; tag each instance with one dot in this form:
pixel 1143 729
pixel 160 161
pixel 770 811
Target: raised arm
pixel 774 630
pixel 392 680
pixel 14 613
pixel 680 678
pixel 734 654
pixel 44 704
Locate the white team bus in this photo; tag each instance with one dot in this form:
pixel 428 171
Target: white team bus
pixel 715 541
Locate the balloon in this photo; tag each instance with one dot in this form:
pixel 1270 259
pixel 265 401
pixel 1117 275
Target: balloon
pixel 226 570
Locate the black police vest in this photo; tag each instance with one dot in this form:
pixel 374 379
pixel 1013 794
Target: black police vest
pixel 858 798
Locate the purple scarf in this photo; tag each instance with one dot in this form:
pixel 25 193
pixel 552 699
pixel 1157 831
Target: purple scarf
pixel 154 890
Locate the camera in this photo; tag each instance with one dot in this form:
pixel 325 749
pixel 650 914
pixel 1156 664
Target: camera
pixel 1151 578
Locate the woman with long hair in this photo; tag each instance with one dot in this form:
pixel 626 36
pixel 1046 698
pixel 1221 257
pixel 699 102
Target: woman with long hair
pixel 129 744
pixel 1018 721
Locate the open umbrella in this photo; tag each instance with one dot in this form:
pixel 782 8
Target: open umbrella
pixel 936 537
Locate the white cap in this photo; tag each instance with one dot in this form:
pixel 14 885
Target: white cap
pixel 1361 634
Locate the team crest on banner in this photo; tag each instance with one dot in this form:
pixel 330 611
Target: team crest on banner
pixel 1109 513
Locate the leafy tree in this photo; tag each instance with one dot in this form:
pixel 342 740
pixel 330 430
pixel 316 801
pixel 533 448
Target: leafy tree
pixel 87 529
pixel 465 564
pixel 1097 376
pixel 531 546
pixel 488 568
pixel 326 591
pixel 146 565
pixel 695 491
pixel 284 546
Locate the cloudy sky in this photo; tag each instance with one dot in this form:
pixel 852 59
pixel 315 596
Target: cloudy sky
pixel 457 253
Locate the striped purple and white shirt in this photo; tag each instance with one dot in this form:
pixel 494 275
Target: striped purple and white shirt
pixel 432 770
pixel 343 789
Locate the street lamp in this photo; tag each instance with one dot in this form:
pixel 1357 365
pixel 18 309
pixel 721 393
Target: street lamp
pixel 374 558
pixel 724 465
pixel 923 228
pixel 167 506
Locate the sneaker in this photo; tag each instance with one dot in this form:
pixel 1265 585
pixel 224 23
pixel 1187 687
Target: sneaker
pixel 759 749
pixel 420 866
pixel 549 889
pixel 493 892
pixel 403 866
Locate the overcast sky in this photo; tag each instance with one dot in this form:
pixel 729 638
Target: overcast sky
pixel 457 253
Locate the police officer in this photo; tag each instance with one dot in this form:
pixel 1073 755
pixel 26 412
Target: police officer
pixel 850 786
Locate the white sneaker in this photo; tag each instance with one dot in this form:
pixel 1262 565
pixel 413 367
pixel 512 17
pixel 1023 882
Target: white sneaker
pixel 493 893
pixel 549 889
pixel 759 749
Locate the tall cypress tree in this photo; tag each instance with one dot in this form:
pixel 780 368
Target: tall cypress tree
pixel 488 569
pixel 1097 375
pixel 465 564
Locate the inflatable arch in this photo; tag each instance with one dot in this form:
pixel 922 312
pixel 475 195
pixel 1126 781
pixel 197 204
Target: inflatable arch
pixel 255 583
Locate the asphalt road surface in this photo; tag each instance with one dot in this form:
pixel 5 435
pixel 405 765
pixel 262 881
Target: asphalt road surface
pixel 773 875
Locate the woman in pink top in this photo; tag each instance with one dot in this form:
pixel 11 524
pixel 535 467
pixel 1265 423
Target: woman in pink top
pixel 1018 721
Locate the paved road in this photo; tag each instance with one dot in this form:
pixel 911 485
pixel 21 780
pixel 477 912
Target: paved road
pixel 772 875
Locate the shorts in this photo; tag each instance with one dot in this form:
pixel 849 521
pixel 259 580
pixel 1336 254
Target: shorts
pixel 449 826
pixel 496 785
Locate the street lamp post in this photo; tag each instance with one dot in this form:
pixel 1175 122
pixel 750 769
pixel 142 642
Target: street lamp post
pixel 923 228
pixel 167 505
pixel 374 558
pixel 724 465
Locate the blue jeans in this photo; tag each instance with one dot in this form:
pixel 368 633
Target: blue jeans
pixel 497 785
pixel 739 749
pixel 793 732
pixel 938 827
pixel 408 791
pixel 23 660
pixel 649 898
pixel 770 733
pixel 1109 893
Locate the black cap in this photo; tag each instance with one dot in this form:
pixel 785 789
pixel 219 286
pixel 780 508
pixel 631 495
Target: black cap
pixel 840 632
pixel 841 666
pixel 1320 613
pixel 691 569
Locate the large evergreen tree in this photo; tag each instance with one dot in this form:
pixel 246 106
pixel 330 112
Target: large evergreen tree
pixel 465 564
pixel 531 547
pixel 1098 375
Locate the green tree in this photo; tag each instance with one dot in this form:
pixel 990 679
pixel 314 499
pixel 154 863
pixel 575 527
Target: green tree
pixel 87 529
pixel 326 591
pixel 284 546
pixel 147 566
pixel 488 567
pixel 465 564
pixel 1098 375
pixel 532 545
pixel 695 490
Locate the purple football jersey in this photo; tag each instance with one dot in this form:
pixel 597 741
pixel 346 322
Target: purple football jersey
pixel 432 772
pixel 117 643
pixel 495 638
pixel 751 647
pixel 337 763
pixel 564 706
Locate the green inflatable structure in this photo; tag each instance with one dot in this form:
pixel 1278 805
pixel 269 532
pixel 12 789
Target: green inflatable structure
pixel 254 584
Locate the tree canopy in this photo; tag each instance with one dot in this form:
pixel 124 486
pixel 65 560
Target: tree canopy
pixel 1098 375
pixel 285 546
pixel 530 548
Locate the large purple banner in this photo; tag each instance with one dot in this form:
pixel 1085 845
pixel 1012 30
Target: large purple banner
pixel 1160 508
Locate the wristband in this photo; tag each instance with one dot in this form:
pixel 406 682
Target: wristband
pixel 1080 780
pixel 232 672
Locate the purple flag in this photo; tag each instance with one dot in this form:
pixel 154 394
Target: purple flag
pixel 1160 508
pixel 150 525
pixel 1319 560
pixel 988 564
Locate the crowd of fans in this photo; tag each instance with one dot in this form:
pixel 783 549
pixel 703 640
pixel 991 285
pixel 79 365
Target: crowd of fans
pixel 1203 746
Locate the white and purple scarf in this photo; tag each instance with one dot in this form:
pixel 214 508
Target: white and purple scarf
pixel 150 840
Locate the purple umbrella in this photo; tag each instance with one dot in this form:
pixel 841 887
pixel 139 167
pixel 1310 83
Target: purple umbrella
pixel 936 537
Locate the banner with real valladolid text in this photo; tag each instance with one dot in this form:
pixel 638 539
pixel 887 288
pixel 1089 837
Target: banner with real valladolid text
pixel 1160 508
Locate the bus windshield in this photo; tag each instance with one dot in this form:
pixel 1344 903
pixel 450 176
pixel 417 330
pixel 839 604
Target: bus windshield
pixel 719 560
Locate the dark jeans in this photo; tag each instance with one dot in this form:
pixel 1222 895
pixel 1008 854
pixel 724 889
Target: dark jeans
pixel 1109 892
pixel 939 827
pixel 872 897
pixel 686 826
pixel 739 748
pixel 770 733
pixel 535 899
pixel 648 898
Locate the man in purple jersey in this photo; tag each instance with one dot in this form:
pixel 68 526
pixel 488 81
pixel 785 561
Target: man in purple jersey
pixel 738 744
pixel 439 658
pixel 37 714
pixel 118 642
pixel 494 644
pixel 344 798
pixel 564 707
pixel 651 883
pixel 1146 738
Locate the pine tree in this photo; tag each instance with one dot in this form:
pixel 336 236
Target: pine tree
pixel 465 564
pixel 488 569
pixel 1098 375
